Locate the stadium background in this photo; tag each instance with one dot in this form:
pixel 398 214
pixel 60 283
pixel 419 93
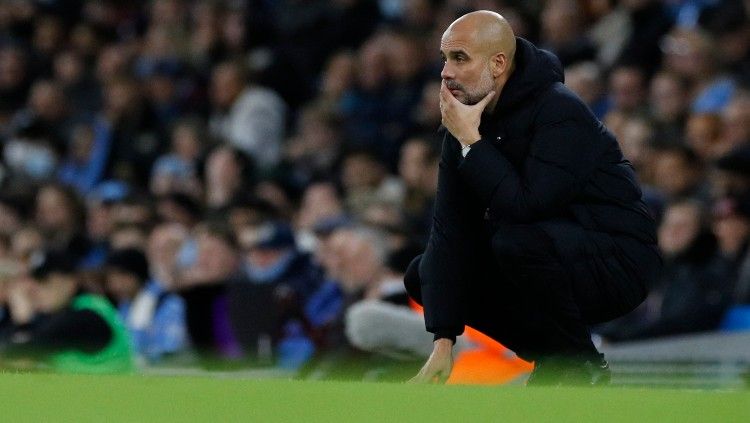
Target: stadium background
pixel 268 167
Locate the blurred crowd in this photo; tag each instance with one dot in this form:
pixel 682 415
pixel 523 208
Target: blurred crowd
pixel 244 182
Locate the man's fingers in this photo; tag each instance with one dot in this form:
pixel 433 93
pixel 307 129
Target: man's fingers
pixel 446 95
pixel 442 377
pixel 483 102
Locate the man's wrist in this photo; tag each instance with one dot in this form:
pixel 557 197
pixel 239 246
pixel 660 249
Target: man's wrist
pixel 443 344
pixel 451 339
pixel 468 141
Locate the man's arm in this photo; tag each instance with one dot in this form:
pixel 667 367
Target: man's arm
pixel 445 256
pixel 564 152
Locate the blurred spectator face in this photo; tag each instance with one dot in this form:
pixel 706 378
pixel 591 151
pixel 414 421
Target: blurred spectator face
pixel 81 143
pixel 561 21
pixel 413 161
pixel 99 222
pixel 122 286
pixel 361 172
pixel 669 99
pixel 167 12
pixel 730 226
pixel 10 219
pixel 688 53
pixel 222 168
pixel 258 258
pixel 68 68
pixel 404 58
pixel 371 69
pixel 418 13
pixel 627 88
pixel 234 30
pixel 25 243
pixel 216 260
pixel 326 252
pixel 48 33
pixel 158 44
pixel 47 100
pixel 702 135
pixel 226 85
pixel 130 236
pixel 736 121
pixel 679 227
pixel 634 141
pixel 161 89
pixel 338 76
pixel 84 40
pixel 674 174
pixel 585 80
pixel 120 96
pixel 163 245
pixel 54 293
pixel 111 62
pixel 360 263
pixel 186 142
pixel 12 68
pixel 132 212
pixel 317 135
pixel 428 110
pixel 54 210
pixel 320 201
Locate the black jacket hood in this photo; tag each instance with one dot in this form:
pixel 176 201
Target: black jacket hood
pixel 535 69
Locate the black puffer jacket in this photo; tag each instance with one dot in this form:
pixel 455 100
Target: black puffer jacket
pixel 543 159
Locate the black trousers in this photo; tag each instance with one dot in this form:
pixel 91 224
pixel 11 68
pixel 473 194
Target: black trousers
pixel 528 297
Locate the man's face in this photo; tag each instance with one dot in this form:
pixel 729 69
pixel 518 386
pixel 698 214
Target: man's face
pixel 54 293
pixel 466 70
pixel 121 285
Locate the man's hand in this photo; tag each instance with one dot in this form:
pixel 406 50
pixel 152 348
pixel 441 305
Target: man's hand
pixel 462 120
pixel 439 365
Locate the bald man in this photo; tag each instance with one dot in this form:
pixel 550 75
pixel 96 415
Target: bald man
pixel 539 228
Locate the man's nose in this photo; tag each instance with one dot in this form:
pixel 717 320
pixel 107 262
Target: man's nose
pixel 447 72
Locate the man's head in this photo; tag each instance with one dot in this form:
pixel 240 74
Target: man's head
pixel 418 164
pixel 57 281
pixel 478 50
pixel 227 81
pixel 362 253
pixel 127 272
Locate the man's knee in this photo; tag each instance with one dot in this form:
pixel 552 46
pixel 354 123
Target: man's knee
pixel 412 281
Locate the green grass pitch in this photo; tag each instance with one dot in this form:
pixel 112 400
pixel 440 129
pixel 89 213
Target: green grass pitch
pixel 51 398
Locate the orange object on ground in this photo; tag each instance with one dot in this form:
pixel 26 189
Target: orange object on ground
pixel 488 362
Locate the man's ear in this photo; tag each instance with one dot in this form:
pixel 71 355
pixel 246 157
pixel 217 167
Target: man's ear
pixel 499 64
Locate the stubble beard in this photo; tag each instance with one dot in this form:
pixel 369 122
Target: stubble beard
pixel 485 85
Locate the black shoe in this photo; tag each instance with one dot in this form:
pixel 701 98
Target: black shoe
pixel 570 372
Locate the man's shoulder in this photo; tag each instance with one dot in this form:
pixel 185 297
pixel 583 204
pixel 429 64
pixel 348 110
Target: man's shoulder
pixel 558 103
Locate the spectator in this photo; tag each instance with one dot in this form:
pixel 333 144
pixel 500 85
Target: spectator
pixel 59 216
pixel 693 291
pixel 205 263
pixel 668 101
pixel 366 180
pixel 250 117
pixel 154 317
pixel 228 172
pixel 82 334
pixel 691 54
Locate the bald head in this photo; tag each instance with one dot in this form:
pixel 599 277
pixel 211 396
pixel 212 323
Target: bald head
pixel 478 49
pixel 488 30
